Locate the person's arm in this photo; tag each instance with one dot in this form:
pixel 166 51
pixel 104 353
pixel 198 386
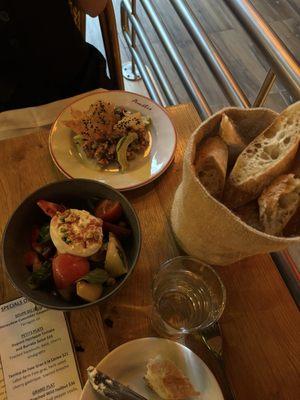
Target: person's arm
pixel 92 7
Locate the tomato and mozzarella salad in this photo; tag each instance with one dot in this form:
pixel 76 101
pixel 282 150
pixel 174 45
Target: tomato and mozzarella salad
pixel 78 253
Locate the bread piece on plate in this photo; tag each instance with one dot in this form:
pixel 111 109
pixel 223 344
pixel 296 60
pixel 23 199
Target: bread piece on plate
pixel 269 155
pixel 211 165
pixel 278 203
pixel 228 132
pixel 249 213
pixel 167 380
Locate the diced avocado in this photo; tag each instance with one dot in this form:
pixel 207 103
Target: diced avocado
pixel 122 147
pixel 89 291
pixel 78 139
pixel 146 120
pixel 115 261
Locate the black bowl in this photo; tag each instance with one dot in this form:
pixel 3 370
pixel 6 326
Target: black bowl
pixel 16 237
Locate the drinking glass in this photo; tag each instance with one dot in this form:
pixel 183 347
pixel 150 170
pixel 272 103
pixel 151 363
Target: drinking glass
pixel 188 295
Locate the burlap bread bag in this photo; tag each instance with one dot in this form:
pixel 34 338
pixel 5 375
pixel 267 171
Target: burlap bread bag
pixel 204 227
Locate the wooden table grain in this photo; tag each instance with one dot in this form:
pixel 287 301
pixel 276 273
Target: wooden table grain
pixel 260 325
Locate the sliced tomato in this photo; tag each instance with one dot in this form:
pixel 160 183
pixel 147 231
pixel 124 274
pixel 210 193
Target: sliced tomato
pixel 30 258
pixel 50 208
pixel 67 269
pixel 120 231
pixel 109 210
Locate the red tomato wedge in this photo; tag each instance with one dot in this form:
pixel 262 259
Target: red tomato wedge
pixel 109 210
pixel 67 269
pixel 30 258
pixel 120 231
pixel 50 208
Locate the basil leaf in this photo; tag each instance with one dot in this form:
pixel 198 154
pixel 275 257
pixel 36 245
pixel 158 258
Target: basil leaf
pixel 41 277
pixel 44 235
pixel 97 275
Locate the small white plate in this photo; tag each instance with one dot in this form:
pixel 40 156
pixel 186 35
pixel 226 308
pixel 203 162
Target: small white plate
pixel 144 169
pixel 127 364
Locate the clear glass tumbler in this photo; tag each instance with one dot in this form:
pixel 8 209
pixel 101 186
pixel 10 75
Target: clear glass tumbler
pixel 188 295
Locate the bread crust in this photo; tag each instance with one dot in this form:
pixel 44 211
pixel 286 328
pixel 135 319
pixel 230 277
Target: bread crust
pixel 211 165
pixel 167 380
pixel 266 157
pixel 249 213
pixel 229 134
pixel 278 203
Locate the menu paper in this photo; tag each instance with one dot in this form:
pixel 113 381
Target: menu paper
pixel 36 353
pixel 2 384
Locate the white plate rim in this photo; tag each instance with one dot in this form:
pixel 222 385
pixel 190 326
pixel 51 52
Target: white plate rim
pixel 125 188
pixel 145 339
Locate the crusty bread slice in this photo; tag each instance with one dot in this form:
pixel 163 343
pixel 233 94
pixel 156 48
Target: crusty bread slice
pixel 211 165
pixel 266 157
pixel 278 203
pixel 229 134
pixel 292 228
pixel 167 380
pixel 249 213
pixel 296 165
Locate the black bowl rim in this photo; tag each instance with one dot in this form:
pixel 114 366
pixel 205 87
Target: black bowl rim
pixel 108 295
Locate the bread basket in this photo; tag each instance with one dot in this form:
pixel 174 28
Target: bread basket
pixel 203 226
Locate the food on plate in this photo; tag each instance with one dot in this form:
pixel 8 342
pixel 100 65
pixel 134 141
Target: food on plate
pixel 89 291
pixel 110 134
pixel 109 210
pixel 77 253
pixel 229 133
pixel 122 149
pixel 211 165
pixel 76 232
pixel 115 260
pixel 269 155
pixel 278 203
pixel 167 380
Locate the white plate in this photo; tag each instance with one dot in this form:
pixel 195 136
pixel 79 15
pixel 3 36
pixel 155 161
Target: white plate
pixel 144 169
pixel 127 364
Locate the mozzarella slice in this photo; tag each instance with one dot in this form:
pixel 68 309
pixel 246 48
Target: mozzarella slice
pixel 76 232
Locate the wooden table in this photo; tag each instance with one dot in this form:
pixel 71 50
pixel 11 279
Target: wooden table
pixel 260 325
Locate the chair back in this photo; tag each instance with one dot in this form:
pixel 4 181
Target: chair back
pixel 108 26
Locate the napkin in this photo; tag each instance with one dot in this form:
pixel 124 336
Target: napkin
pixel 25 120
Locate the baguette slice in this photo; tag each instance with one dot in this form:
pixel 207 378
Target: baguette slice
pixel 292 228
pixel 249 213
pixel 211 165
pixel 167 380
pixel 269 155
pixel 278 203
pixel 229 134
pixel 296 165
